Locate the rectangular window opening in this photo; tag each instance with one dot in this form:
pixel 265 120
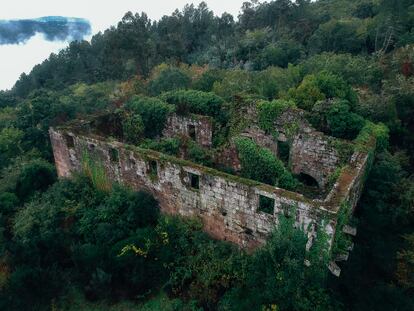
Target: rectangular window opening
pixel 194 181
pixel 70 141
pixel 114 155
pixel 266 205
pixel 192 132
pixel 283 151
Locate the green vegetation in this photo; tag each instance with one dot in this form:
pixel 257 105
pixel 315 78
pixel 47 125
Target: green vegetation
pixel 153 113
pixel 68 245
pixel 268 112
pixel 133 129
pixel 197 102
pixel 260 164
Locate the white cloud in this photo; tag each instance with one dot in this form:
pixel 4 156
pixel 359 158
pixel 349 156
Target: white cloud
pixel 15 59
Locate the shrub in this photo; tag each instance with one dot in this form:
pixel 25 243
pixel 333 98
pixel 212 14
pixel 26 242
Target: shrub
pixel 277 271
pixel 268 112
pixel 208 78
pixel 197 154
pixel 280 54
pixel 192 101
pixel 372 131
pixel 169 146
pixel 355 70
pixel 36 175
pixel 153 112
pixel 323 85
pixel 260 164
pixel 234 82
pixel 133 129
pixel 169 79
pixel 342 122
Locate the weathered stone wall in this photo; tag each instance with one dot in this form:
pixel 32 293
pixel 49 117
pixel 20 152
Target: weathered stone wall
pixel 180 125
pixel 227 205
pixel 312 155
pixel 261 138
pixel 311 152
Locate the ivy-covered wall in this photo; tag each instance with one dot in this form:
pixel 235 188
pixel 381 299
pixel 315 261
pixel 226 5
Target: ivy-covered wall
pixel 230 207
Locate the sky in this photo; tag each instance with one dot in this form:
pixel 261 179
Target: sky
pixel 16 59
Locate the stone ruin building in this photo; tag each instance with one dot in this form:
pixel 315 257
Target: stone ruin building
pixel 230 207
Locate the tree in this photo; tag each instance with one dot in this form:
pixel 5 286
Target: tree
pixel 277 271
pixel 10 144
pixel 153 113
pixel 168 80
pixel 342 122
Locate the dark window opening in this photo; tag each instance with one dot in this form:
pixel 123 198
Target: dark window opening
pixel 194 181
pixel 248 231
pixel 283 151
pixel 308 180
pixel 266 205
pixel 153 168
pixel 114 155
pixel 70 141
pixel 192 132
pixel 132 162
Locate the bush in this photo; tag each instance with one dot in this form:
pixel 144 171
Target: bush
pixel 169 79
pixel 153 113
pixel 208 78
pixel 195 102
pixel 260 164
pixel 277 271
pixel 197 154
pixel 280 54
pixel 355 70
pixel 35 176
pixel 323 85
pixel 133 129
pixel 342 122
pixel 169 146
pixel 268 112
pixel 369 133
pixel 235 82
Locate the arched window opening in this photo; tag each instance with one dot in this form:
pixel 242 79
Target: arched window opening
pixel 308 180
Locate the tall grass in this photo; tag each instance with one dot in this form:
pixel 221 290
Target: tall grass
pixel 95 170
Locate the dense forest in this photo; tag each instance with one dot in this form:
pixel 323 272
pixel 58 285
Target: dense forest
pixel 71 245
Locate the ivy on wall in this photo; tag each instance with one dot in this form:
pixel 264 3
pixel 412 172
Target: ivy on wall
pixel 268 112
pixel 260 164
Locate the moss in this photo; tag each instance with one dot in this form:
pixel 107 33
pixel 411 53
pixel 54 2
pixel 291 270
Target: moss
pixel 344 148
pixel 268 112
pixel 341 240
pixel 372 137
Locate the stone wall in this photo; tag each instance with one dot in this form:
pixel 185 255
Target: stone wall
pixel 311 152
pixel 227 205
pixel 201 126
pixel 261 138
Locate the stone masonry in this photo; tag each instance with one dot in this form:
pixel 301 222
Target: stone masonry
pixel 200 127
pixel 229 206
